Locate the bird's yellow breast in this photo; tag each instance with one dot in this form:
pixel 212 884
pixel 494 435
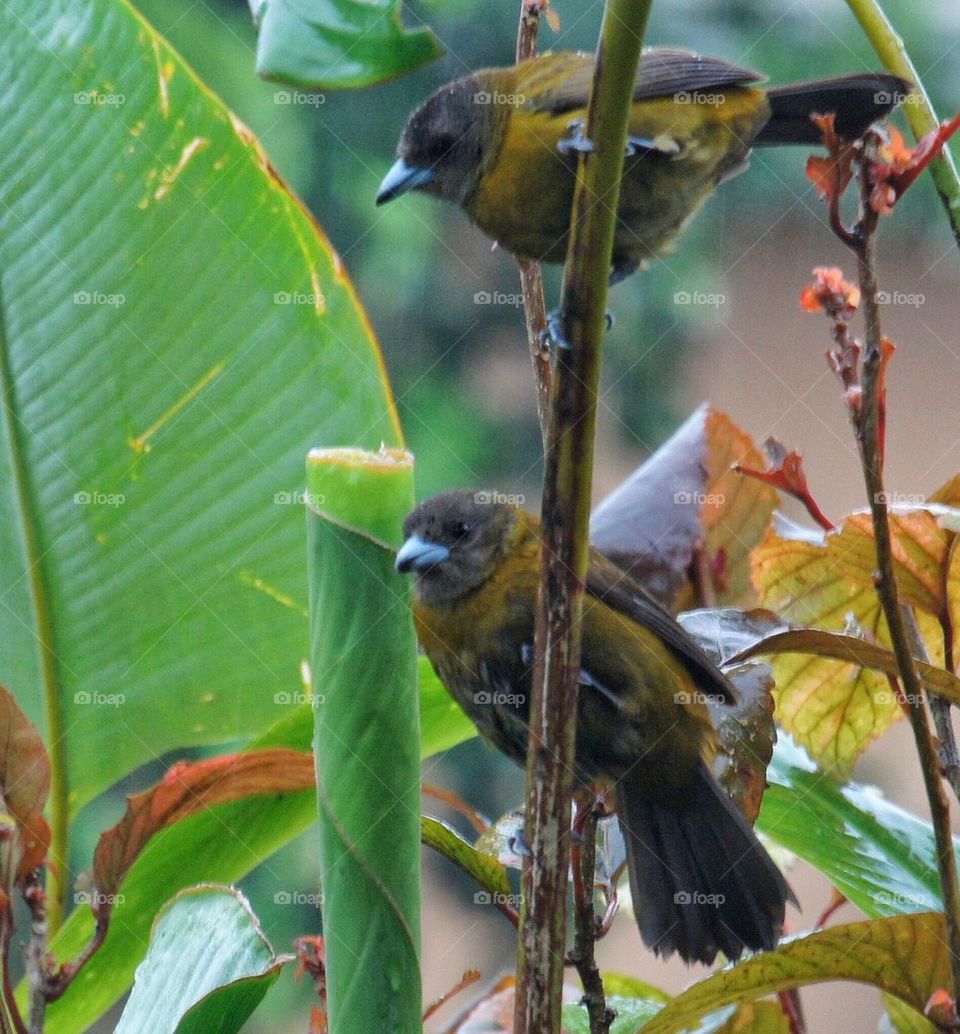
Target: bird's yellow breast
pixel 524 195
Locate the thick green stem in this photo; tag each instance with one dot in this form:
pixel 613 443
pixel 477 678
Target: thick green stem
pixel 566 512
pixel 919 111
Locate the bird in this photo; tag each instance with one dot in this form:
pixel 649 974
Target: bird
pixel 700 880
pixel 503 143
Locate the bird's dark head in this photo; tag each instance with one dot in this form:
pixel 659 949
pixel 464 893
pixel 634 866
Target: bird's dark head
pixel 441 149
pixel 454 542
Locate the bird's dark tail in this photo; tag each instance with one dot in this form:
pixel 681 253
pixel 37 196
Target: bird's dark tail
pixel 701 881
pixel 856 100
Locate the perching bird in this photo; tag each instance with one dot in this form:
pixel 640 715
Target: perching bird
pixel 503 143
pixel 701 881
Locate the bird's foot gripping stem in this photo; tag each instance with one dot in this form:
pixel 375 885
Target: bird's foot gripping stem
pixel 554 338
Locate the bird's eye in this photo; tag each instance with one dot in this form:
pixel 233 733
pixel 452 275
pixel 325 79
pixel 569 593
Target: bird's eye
pixel 442 144
pixel 462 529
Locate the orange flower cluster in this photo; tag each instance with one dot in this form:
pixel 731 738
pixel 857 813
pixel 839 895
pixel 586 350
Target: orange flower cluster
pixel 831 293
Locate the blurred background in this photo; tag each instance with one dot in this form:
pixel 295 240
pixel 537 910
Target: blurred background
pixel 717 321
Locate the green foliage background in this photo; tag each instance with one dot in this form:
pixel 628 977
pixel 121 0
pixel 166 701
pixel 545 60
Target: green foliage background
pixel 418 265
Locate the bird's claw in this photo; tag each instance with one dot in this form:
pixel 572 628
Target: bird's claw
pixel 518 842
pixel 577 142
pixel 554 338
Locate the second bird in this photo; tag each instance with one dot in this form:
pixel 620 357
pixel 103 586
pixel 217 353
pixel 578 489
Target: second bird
pixel 503 143
pixel 701 881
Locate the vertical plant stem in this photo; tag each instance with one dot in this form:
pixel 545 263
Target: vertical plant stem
pixel 939 708
pixel 919 111
pixel 11 1021
pixel 584 856
pixel 565 514
pixel 36 953
pixel 535 313
pixel 867 425
pixel 941 711
pixel 531 276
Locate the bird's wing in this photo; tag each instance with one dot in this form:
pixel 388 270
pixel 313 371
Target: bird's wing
pixel 606 582
pixel 560 82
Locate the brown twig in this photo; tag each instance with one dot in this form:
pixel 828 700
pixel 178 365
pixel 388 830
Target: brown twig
pixel 535 314
pixel 837 901
pixel 942 717
pixel 939 708
pixel 531 276
pixel 471 976
pixel 37 961
pixel 701 577
pixel 868 422
pixel 459 805
pixel 565 521
pixel 584 860
pixel 11 1022
pixel 790 1004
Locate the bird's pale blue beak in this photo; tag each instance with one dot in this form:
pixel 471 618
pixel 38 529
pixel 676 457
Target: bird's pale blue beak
pixel 416 554
pixel 400 179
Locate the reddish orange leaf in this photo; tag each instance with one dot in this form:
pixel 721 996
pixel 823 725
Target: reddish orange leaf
pixel 900 165
pixel 831 174
pixel 941 1009
pixel 785 472
pixel 34 845
pixel 24 783
pixel 311 959
pixel 190 787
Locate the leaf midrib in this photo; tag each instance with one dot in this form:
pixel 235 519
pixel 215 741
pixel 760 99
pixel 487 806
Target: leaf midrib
pixel 27 512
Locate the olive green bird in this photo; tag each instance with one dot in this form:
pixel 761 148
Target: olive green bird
pixel 701 881
pixel 503 143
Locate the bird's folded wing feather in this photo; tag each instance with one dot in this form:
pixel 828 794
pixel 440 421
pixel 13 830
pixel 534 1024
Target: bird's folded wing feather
pixel 606 582
pixel 561 82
